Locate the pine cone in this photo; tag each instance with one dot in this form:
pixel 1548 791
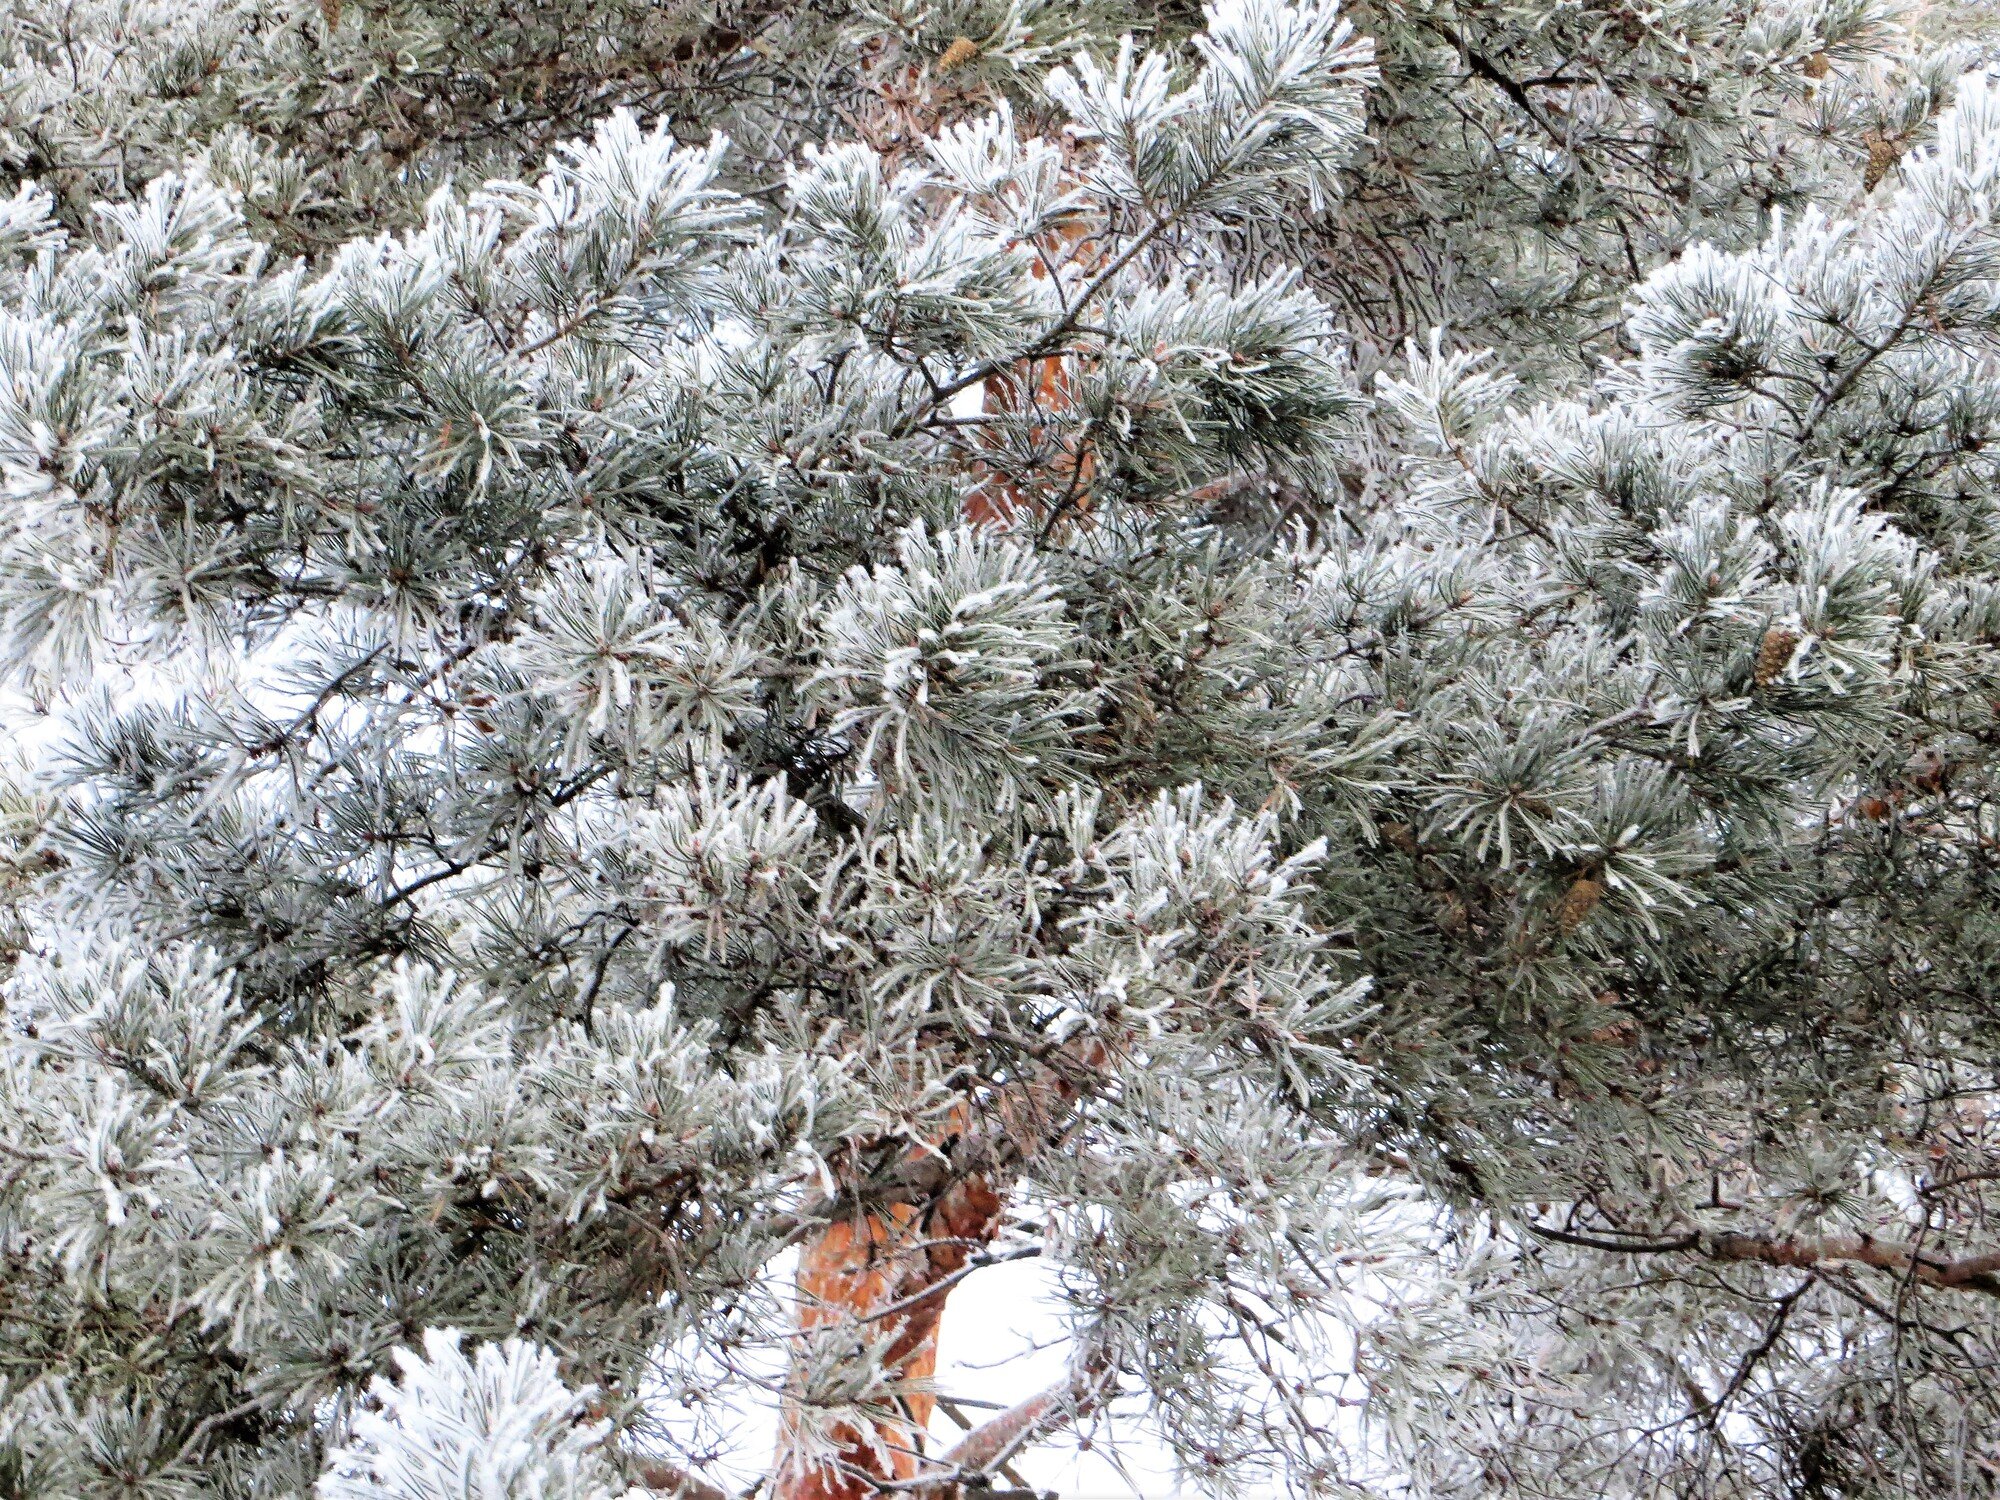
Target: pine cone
pixel 1774 654
pixel 1400 836
pixel 1623 1032
pixel 1883 154
pixel 1578 902
pixel 961 51
pixel 1452 916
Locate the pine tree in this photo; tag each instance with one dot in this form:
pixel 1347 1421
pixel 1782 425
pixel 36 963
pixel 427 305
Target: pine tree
pixel 684 674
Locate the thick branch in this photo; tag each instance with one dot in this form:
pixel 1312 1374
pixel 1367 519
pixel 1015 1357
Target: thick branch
pixel 663 1478
pixel 1977 1273
pixel 992 1443
pixel 1974 1273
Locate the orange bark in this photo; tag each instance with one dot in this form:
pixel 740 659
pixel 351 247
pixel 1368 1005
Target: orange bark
pixel 889 1273
pixel 1046 385
pixel 1042 385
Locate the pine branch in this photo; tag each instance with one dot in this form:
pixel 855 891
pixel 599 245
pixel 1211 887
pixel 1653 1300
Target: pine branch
pixel 1484 67
pixel 1977 1273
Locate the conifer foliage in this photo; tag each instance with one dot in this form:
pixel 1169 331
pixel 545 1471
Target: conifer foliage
pixel 680 677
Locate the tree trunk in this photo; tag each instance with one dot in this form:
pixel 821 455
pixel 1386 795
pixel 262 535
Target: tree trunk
pixel 886 1275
